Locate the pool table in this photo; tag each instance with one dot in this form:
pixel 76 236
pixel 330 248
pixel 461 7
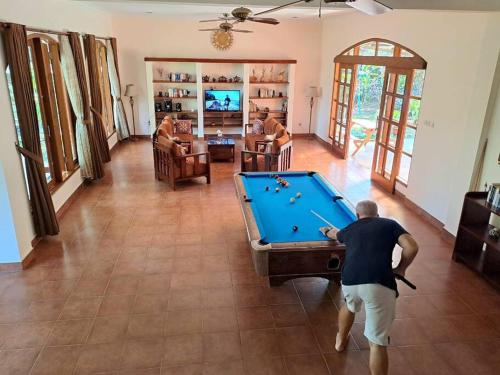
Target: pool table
pixel 284 235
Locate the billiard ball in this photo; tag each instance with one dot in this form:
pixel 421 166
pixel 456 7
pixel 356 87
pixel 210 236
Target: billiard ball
pixel 292 200
pixel 295 228
pixel 298 195
pixel 277 190
pixel 267 188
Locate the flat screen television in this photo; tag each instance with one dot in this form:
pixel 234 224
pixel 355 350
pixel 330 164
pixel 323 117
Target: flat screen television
pixel 222 100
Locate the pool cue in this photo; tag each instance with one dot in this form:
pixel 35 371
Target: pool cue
pixel 405 280
pixel 323 219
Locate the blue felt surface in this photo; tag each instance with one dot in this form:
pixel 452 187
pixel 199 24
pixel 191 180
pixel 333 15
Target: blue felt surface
pixel 275 215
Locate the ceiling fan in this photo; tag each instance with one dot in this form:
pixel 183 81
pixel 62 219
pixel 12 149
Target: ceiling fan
pixel 227 27
pixel 242 14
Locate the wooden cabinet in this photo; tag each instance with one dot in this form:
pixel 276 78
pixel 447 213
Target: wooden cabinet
pixel 473 246
pixel 223 120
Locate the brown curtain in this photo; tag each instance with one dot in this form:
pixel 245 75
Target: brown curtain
pixel 76 47
pixel 16 52
pixel 95 94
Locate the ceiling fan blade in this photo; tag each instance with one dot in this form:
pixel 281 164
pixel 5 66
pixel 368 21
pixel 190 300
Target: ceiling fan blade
pixel 208 29
pixel 219 19
pixel 269 21
pixel 282 7
pixel 241 31
pixel 370 7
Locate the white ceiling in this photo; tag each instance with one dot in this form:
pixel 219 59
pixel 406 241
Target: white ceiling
pixel 202 8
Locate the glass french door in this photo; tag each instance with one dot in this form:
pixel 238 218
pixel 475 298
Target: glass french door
pixel 340 117
pixel 393 116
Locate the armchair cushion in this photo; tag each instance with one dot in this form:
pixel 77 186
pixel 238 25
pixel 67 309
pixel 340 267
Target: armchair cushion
pixel 250 141
pixel 260 163
pixel 166 126
pixel 191 169
pixel 279 142
pixel 174 148
pixel 185 137
pixel 280 130
pixel 183 127
pixel 270 125
pixel 257 126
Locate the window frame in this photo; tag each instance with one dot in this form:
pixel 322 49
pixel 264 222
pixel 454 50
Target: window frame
pixel 57 118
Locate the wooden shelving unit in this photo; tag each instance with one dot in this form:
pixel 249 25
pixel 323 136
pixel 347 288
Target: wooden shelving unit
pixel 223 119
pixel 159 69
pixel 173 82
pixel 182 115
pixel 268 98
pixel 270 83
pixel 222 83
pixel 473 246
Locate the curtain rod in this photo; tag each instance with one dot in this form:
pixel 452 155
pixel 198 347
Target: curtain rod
pixel 4 25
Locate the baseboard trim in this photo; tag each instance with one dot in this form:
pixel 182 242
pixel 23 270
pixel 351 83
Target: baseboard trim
pixel 22 265
pixel 445 235
pixel 324 143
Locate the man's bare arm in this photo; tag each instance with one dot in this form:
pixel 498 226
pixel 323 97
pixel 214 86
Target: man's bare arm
pixel 410 250
pixel 330 232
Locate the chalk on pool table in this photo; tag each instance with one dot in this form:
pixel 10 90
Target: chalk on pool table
pixel 267 188
pixel 295 228
pixel 298 195
pixel 292 200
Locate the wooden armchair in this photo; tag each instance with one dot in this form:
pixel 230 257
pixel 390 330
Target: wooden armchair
pixel 276 161
pixel 172 129
pixel 254 136
pixel 171 164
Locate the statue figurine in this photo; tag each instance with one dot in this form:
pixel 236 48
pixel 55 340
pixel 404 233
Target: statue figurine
pixel 262 75
pixel 160 72
pixel 271 73
pixel 281 76
pixel 253 77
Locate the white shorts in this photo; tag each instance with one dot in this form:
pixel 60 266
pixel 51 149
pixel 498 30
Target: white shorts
pixel 380 307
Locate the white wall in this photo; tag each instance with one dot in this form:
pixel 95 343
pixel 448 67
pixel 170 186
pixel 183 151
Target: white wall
pixel 491 167
pixel 10 248
pixel 162 36
pixel 52 14
pixel 461 50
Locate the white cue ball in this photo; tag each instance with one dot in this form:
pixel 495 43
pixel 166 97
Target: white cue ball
pixel 299 194
pixel 292 200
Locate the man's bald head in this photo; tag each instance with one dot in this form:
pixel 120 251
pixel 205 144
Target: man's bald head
pixel 366 209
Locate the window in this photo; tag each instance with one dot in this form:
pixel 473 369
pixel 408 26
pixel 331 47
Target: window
pixel 107 100
pixel 399 105
pixel 411 124
pixel 54 114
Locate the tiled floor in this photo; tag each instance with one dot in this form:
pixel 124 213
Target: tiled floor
pixel 143 280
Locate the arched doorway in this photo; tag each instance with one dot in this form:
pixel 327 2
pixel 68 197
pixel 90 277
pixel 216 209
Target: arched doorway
pixel 395 126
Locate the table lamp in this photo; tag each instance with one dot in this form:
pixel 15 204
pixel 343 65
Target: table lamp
pixel 130 92
pixel 312 92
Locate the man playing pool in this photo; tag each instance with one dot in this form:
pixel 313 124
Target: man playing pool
pixel 368 277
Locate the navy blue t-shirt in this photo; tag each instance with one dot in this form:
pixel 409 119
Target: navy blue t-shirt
pixel 369 245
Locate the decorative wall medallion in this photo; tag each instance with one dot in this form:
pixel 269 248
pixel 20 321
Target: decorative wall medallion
pixel 222 40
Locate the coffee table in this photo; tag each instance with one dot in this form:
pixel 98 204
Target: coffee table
pixel 221 148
